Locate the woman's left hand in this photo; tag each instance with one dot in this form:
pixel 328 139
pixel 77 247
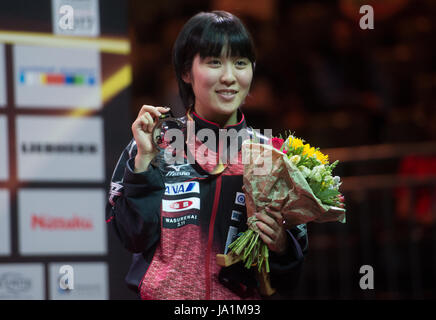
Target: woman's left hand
pixel 272 231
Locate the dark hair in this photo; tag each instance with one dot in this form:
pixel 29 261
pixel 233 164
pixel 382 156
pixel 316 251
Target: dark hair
pixel 207 33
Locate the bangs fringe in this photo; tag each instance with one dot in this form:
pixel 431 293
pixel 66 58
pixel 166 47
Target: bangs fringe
pixel 228 34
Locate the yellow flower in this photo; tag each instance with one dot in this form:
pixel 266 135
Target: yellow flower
pixel 295 143
pixel 324 158
pixel 309 151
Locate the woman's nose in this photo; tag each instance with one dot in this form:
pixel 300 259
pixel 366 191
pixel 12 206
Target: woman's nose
pixel 228 75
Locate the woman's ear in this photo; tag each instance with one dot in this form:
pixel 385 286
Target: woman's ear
pixel 186 77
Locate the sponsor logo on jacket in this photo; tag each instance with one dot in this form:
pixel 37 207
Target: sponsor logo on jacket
pixel 180 205
pixel 177 222
pixel 172 189
pixel 240 198
pixel 232 234
pixel 236 215
pixel 176 170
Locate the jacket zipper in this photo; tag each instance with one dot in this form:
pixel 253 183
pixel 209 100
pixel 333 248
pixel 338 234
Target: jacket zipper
pixel 211 230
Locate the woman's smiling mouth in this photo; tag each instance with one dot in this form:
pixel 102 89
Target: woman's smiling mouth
pixel 227 94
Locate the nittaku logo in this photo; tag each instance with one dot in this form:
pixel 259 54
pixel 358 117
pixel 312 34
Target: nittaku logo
pixel 177 171
pixel 181 188
pixel 14 282
pixel 42 221
pixel 36 147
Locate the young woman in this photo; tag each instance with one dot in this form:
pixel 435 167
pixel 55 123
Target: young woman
pixel 177 218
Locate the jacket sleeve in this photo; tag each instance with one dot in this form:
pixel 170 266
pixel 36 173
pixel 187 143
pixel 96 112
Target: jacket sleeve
pixel 133 207
pixel 285 269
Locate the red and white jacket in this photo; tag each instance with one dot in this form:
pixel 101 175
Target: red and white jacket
pixel 176 218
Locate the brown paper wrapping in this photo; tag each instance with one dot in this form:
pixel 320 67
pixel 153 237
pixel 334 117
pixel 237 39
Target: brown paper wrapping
pixel 272 181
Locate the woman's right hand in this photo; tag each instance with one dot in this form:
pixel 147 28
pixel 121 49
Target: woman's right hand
pixel 142 129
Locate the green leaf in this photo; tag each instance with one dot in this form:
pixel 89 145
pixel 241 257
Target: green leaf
pixel 327 194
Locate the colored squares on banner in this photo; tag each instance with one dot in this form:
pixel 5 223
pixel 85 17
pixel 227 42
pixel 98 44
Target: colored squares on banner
pixel 52 79
pixel 61 78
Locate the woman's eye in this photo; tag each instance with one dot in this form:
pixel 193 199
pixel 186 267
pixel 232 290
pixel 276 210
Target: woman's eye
pixel 241 63
pixel 214 62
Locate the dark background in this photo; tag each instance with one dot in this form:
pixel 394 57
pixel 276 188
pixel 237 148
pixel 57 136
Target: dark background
pixel 365 97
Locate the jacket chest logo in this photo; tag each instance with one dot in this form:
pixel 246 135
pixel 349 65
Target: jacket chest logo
pixel 173 189
pixel 240 199
pixel 181 205
pixel 178 222
pixel 176 170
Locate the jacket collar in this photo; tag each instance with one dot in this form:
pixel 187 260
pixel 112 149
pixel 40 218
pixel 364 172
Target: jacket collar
pixel 201 123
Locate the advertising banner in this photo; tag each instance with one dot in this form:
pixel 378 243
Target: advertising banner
pixel 76 17
pixel 61 222
pixel 22 281
pixel 5 236
pixel 2 76
pixel 4 154
pixel 85 281
pixel 56 148
pixel 60 78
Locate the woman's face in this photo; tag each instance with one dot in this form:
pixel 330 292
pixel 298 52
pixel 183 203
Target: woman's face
pixel 220 85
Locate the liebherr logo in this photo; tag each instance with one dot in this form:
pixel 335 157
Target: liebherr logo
pixel 177 172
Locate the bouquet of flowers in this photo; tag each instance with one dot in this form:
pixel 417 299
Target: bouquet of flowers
pixel 298 183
